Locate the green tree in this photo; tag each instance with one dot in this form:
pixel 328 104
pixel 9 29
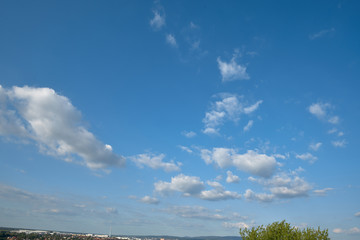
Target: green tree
pixel 282 231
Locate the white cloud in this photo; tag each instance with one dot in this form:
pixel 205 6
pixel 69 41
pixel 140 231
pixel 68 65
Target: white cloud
pixel 320 110
pixel 188 185
pixel 307 157
pixel 357 214
pixel 186 149
pixel 158 21
pixel 189 134
pixel 218 193
pixel 322 192
pixel 231 178
pixel 155 162
pixel 248 125
pixel 253 107
pixel 229 108
pixel 251 161
pixel 321 33
pixel 236 225
pixel 354 230
pixel 112 210
pixel 149 200
pixel 334 120
pixel 50 120
pixel 170 39
pixel 340 143
pixel 261 197
pixel 285 185
pixel 194 187
pixel 231 71
pixel 315 146
pixel 197 212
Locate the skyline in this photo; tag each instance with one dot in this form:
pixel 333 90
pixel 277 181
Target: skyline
pixel 179 118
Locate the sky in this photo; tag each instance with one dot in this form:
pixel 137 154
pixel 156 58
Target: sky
pixel 185 118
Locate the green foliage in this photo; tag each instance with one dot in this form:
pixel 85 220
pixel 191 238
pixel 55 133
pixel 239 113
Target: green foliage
pixel 282 231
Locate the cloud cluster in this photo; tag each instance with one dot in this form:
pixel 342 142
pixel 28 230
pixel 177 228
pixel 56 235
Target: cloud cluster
pixel 229 108
pixel 191 186
pixel 251 161
pixel 280 186
pixel 50 120
pixel 155 162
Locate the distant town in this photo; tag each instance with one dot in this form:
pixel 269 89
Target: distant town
pixel 31 234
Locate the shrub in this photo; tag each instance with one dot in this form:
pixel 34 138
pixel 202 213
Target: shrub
pixel 282 231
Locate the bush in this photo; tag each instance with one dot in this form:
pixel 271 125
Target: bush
pixel 282 231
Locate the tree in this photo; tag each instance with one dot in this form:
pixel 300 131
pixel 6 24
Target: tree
pixel 283 231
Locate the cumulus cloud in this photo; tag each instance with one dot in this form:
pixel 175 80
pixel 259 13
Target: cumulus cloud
pixel 50 120
pixel 321 33
pixel 170 39
pixel 261 197
pixel 149 200
pixel 158 21
pixel 229 108
pixel 194 187
pixel 231 71
pixel 251 161
pixel 322 192
pixel 155 162
pixel 307 157
pixel 315 146
pixel 188 185
pixel 231 178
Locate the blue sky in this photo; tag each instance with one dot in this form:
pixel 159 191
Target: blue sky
pixel 179 117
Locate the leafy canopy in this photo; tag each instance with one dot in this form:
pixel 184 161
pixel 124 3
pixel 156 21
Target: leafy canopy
pixel 282 231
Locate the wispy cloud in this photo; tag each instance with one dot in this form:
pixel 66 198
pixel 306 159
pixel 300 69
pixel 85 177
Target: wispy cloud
pixel 158 20
pixel 307 157
pixel 321 111
pixel 51 121
pixel 354 230
pixel 229 108
pixel 321 33
pixel 322 192
pixel 340 143
pixel 188 134
pixel 248 125
pixel 315 146
pixel 170 39
pixel 155 162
